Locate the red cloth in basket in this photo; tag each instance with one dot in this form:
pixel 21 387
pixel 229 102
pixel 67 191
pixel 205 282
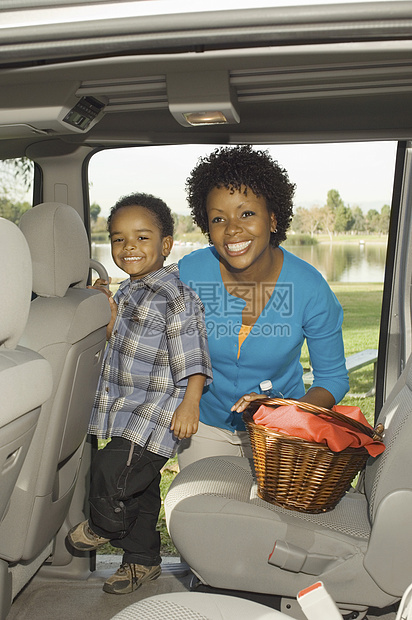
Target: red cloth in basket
pixel 338 436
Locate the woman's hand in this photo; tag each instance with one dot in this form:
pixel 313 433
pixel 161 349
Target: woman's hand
pixel 243 402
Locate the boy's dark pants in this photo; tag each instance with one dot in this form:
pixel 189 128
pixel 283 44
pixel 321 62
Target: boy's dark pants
pixel 125 499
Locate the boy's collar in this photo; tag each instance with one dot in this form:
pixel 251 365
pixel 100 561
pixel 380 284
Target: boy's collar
pixel 162 281
pixel 155 280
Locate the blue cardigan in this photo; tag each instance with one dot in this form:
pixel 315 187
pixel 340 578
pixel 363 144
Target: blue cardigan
pixel 302 306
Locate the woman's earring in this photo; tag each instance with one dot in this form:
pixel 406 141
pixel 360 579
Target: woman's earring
pixel 275 231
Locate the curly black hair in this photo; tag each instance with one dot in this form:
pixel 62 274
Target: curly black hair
pixel 237 167
pixel 156 206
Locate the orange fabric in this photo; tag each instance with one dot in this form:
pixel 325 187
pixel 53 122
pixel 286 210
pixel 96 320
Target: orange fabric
pixel 335 434
pixel 243 334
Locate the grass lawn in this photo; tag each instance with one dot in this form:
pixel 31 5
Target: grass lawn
pixel 362 307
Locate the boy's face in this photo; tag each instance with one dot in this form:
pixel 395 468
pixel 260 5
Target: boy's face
pixel 137 245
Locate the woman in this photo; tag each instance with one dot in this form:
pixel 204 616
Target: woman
pixel 261 301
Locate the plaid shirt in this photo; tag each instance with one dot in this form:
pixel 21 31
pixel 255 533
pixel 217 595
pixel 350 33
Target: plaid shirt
pixel 158 340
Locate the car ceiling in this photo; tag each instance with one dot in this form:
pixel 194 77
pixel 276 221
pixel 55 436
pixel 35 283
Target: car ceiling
pixel 293 74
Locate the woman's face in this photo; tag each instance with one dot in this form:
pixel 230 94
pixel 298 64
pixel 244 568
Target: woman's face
pixel 239 226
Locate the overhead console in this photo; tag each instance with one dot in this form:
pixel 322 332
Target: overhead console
pixel 84 114
pixel 49 117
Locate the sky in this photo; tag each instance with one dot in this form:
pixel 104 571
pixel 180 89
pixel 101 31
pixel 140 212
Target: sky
pixel 362 173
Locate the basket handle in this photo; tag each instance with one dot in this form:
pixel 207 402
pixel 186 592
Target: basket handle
pixel 376 434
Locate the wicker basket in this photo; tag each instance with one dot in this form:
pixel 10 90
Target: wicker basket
pixel 299 474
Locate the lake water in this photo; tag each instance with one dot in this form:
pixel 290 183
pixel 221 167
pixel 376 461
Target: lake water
pixel 337 262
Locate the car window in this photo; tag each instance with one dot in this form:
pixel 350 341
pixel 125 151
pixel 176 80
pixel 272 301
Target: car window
pixel 16 187
pixel 340 226
pixel 342 199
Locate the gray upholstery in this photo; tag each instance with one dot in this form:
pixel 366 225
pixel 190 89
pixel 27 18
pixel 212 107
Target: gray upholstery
pixel 57 240
pixel 227 534
pixel 66 325
pixel 16 272
pixel 25 376
pixel 197 606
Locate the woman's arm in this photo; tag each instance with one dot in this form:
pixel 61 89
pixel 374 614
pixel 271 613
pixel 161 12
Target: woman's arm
pixel 315 396
pixel 323 332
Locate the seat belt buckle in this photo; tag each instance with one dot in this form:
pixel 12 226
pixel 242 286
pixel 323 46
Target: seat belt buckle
pixel 317 604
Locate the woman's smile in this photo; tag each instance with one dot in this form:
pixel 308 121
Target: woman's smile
pixel 238 248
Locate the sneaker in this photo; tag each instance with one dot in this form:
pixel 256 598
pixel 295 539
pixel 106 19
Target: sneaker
pixel 83 538
pixel 129 577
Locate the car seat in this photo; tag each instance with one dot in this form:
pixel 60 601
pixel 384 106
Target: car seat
pixel 25 376
pixel 361 550
pixel 197 606
pixel 67 326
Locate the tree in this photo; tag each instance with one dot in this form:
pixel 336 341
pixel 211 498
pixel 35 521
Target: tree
pixel 94 212
pixel 373 221
pixel 298 220
pixel 183 224
pixel 385 218
pixel 328 220
pixel 23 169
pixel 11 210
pixel 16 176
pixel 15 179
pixel 331 210
pixel 343 219
pixel 358 219
pixel 313 219
pixel 334 200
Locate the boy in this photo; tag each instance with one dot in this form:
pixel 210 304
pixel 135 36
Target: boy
pixel 154 370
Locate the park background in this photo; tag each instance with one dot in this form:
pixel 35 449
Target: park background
pixel 340 225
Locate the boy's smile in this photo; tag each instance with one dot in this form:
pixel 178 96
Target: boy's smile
pixel 137 244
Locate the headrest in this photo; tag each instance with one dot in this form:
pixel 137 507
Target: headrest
pixel 59 248
pixel 16 284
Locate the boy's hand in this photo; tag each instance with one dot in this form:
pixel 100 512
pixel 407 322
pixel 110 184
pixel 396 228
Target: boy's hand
pixel 103 286
pixel 113 308
pixel 244 402
pixel 185 420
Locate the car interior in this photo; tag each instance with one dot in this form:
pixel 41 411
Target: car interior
pixel 67 326
pixel 81 77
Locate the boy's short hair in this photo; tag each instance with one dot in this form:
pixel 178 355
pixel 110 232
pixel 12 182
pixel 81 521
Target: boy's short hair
pixel 156 206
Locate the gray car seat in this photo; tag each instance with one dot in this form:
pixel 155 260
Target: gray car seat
pixel 361 550
pixel 197 606
pixel 25 376
pixel 66 325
